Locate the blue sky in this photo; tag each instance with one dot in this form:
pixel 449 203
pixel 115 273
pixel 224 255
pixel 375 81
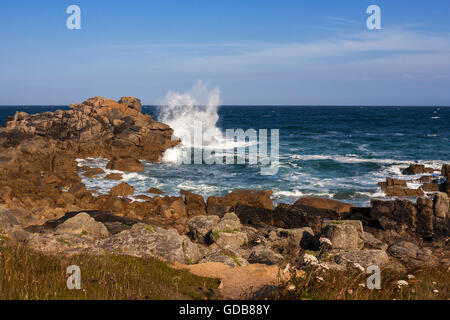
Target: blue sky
pixel 255 52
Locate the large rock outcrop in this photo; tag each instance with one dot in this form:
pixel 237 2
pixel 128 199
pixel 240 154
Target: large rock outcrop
pixel 96 127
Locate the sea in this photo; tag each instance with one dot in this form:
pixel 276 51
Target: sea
pixel 337 152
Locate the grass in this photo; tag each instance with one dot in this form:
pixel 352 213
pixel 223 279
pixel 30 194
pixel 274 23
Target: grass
pixel 348 285
pixel 28 274
pixel 235 259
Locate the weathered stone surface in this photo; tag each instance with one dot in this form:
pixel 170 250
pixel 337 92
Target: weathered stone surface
pixel 391 182
pixel 83 224
pixel 264 255
pixel 113 176
pixel 405 213
pixel 364 258
pixel 445 171
pixel 214 206
pixel 113 223
pixel 425 217
pixel 150 241
pixel 403 250
pixel 290 241
pixel 285 216
pixel 154 191
pixel 126 164
pixel 343 234
pixel 227 257
pixel 9 225
pixel 227 233
pixel 417 169
pixel 195 204
pixel 96 127
pixel 201 226
pixel 431 187
pixel 132 103
pixel 370 242
pixel 92 172
pixel 7 220
pixel 441 205
pixel 398 214
pixel 403 192
pixel 122 190
pixel 252 198
pixel 321 203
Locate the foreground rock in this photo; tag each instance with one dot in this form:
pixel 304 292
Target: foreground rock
pixel 84 224
pixel 345 235
pixel 148 241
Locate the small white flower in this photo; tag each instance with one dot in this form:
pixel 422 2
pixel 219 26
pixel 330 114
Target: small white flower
pixel 310 259
pixel 410 276
pixel 319 279
pixel 436 291
pixel 287 268
pixel 327 241
pixel 323 266
pixel 401 283
pixel 291 287
pixel 359 267
pixel 434 283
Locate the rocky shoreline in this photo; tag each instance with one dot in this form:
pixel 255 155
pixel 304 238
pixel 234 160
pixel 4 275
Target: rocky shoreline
pixel 44 204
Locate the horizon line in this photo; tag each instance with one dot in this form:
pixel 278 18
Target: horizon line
pixel 256 105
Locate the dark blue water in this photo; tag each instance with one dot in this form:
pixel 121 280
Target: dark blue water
pixel 336 152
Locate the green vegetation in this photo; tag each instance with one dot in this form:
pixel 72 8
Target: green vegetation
pixel 28 274
pixel 63 241
pixel 149 229
pixel 232 256
pixel 187 260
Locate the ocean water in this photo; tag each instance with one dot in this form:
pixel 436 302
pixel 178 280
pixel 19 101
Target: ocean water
pixel 335 152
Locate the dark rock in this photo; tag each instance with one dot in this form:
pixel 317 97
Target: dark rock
pixel 417 169
pixel 195 204
pixel 425 217
pixel 321 203
pixel 126 164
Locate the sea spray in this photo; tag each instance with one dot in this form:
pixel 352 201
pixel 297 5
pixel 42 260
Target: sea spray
pixel 182 110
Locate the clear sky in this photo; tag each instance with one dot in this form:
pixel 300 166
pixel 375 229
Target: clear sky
pixel 255 51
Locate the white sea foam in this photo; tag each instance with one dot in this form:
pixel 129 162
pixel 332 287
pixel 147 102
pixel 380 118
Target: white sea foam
pixel 183 111
pixel 351 158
